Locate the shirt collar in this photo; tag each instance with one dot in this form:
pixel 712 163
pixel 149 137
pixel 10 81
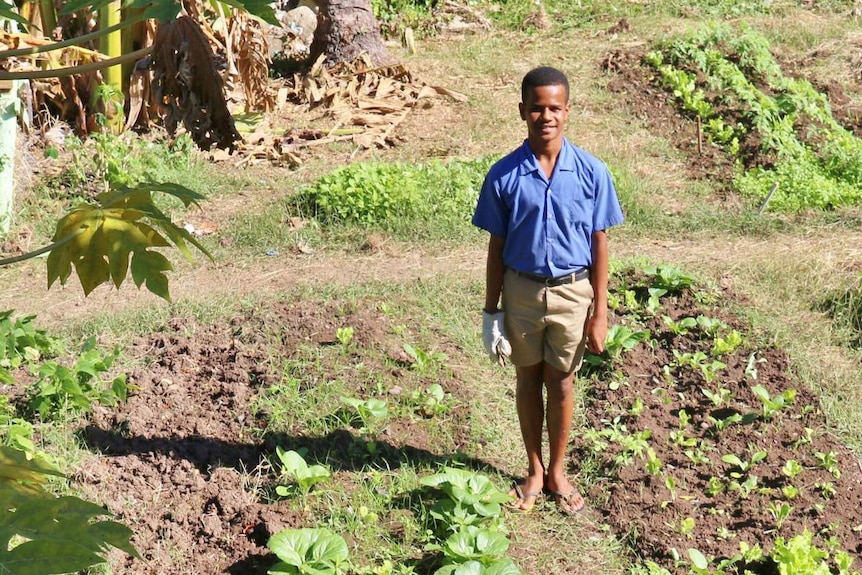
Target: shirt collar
pixel 528 164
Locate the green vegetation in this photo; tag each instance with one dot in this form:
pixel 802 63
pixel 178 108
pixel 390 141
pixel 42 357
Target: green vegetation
pixel 336 403
pixel 718 65
pixel 398 198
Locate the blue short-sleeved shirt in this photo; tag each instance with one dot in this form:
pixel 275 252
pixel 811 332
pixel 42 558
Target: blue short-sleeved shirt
pixel 547 224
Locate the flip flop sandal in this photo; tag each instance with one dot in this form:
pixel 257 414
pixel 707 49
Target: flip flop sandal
pixel 565 504
pixel 524 498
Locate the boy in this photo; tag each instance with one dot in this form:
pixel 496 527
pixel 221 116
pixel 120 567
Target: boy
pixel 547 206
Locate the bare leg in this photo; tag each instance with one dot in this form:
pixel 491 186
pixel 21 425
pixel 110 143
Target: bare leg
pixel 531 416
pixel 560 387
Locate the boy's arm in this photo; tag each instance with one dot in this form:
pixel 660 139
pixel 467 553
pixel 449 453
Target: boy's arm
pixel 494 274
pixel 597 324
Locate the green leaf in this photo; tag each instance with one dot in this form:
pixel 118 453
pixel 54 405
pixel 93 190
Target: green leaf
pixel 61 536
pixel 16 466
pixel 7 13
pixel 475 543
pixel 309 550
pixel 149 266
pixel 504 566
pixel 41 557
pixel 698 559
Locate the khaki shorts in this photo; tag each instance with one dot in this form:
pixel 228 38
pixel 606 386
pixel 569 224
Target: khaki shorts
pixel 546 323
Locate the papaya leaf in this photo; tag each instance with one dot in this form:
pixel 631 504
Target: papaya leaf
pixel 16 466
pixel 62 534
pixel 260 8
pixel 106 240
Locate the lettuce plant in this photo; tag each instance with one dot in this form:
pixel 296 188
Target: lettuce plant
pixel 308 552
pixel 304 476
pixel 470 491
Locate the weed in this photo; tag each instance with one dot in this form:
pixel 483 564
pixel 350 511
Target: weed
pixel 422 360
pixel 76 387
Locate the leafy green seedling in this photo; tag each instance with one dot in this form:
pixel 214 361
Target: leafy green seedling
pixel 800 555
pixel 714 486
pixel 304 476
pixel 686 527
pixel 670 483
pixel 719 397
pixel 726 345
pixel 746 487
pixel 308 552
pixel 619 340
pixel 789 492
pixel 680 438
pixel 829 462
pixel 475 544
pixel 710 326
pixel 367 409
pixel 681 327
pixel 653 463
pixel 432 402
pixel 470 490
pixel 697 456
pixel 344 335
pixel 669 278
pixel 637 407
pixel 826 488
pixel 742 465
pixel 504 566
pixel 422 360
pixel 699 563
pixel 722 424
pixel 791 468
pixel 773 404
pixel 780 511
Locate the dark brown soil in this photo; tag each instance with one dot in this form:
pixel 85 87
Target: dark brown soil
pixel 183 461
pixel 640 506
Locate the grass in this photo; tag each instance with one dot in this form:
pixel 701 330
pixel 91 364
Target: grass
pixel 782 268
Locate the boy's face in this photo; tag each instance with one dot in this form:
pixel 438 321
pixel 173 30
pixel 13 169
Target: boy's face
pixel 545 110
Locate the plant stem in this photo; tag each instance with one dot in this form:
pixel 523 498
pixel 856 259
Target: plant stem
pixel 72 70
pixel 40 251
pixel 49 47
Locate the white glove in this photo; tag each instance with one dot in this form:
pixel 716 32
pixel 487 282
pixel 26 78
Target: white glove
pixel 494 336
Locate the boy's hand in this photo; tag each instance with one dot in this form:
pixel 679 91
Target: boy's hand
pixel 494 336
pixel 597 332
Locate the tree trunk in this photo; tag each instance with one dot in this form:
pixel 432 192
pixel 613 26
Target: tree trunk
pixel 345 29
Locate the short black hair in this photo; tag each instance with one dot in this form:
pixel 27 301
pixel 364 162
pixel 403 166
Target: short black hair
pixel 543 76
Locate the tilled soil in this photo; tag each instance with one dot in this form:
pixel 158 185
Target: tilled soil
pixel 663 519
pixel 182 462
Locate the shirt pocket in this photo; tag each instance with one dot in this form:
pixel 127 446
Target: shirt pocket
pixel 581 214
